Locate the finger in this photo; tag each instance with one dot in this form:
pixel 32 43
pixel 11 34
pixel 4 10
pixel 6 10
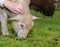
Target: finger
pixel 16 12
pixel 21 9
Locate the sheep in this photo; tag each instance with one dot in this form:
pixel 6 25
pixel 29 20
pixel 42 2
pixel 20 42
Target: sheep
pixel 22 24
pixel 46 7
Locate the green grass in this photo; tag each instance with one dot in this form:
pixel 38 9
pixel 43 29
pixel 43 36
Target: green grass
pixel 45 33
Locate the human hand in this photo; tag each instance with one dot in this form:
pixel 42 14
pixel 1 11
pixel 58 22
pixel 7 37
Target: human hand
pixel 14 7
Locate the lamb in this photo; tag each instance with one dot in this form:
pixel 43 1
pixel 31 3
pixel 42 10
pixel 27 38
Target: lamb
pixel 22 24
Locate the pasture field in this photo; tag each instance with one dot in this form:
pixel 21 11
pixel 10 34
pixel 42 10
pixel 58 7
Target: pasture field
pixel 45 33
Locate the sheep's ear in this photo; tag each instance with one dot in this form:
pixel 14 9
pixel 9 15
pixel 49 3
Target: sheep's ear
pixel 34 17
pixel 17 18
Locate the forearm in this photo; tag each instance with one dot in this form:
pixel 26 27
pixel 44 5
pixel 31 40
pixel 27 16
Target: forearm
pixel 13 7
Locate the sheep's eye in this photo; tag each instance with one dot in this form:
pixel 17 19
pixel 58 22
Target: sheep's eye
pixel 22 26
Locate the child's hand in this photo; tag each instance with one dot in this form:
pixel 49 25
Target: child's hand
pixel 14 7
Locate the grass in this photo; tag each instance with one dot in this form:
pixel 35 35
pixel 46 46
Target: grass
pixel 45 33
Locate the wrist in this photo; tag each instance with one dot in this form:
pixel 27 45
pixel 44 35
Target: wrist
pixel 7 3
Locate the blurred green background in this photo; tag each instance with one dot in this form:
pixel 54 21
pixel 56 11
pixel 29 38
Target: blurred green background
pixel 45 33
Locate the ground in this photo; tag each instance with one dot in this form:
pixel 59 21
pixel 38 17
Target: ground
pixel 45 33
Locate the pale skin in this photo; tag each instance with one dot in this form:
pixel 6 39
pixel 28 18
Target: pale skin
pixel 14 7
